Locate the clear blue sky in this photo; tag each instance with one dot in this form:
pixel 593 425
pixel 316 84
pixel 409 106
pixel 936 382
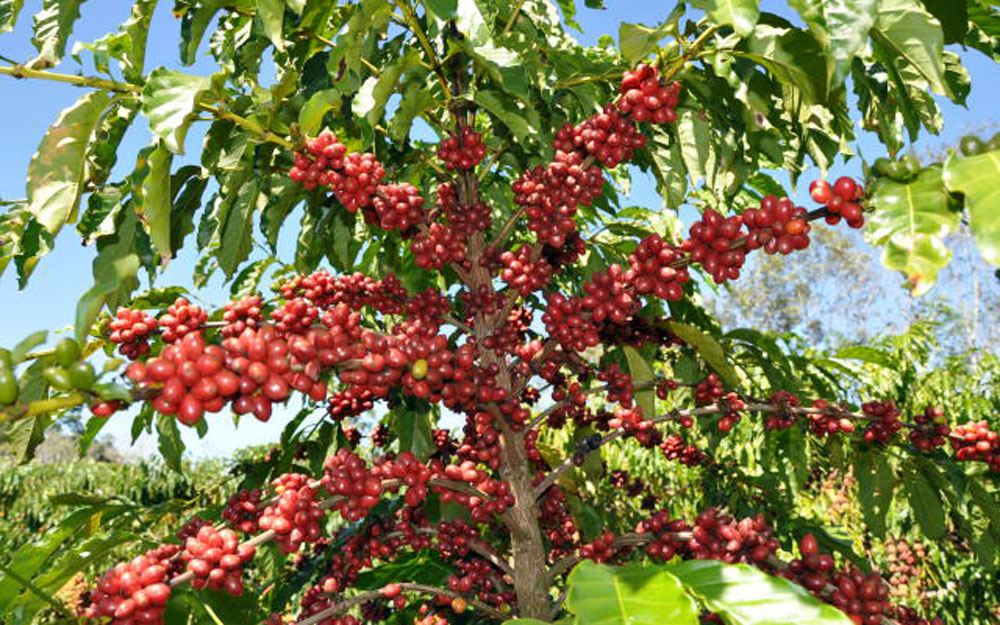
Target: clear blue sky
pixel 31 106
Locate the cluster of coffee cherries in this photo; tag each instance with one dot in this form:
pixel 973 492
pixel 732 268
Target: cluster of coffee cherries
pixel 841 199
pixel 134 592
pixel 550 195
pixel 398 206
pixel 607 136
pixel 713 244
pixel 522 273
pixel 216 559
pixel 652 269
pixel 463 149
pixel 182 318
pixel 193 377
pixel 131 330
pixel 884 422
pixel 777 227
pixel 863 597
pixel 976 441
pixel 828 420
pixel 242 314
pixel 645 98
pixel 352 176
pixel 932 429
pixel 295 517
pixel 243 510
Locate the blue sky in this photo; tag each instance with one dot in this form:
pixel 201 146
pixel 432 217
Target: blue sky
pixel 31 106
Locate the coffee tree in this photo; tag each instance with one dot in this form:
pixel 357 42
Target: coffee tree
pixel 459 169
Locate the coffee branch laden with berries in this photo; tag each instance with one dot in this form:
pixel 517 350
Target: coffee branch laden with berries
pixel 479 352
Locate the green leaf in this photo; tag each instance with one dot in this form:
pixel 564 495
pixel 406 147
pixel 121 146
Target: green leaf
pixel 272 16
pixel 9 10
pixel 57 171
pixel 312 112
pixel 744 595
pixel 522 120
pixel 708 348
pixel 115 270
pixel 954 18
pixel 414 431
pixel 502 64
pixel 695 137
pixel 169 441
pixel 371 98
pixel 793 56
pixel 52 27
pixel 742 15
pixel 443 9
pixel 925 502
pixel 911 221
pixel 569 13
pixel 842 26
pixel 416 99
pixel 236 230
pixel 195 22
pixel 914 37
pixel 168 99
pixel 632 595
pixel 156 200
pixel 876 484
pixel 642 374
pixel 976 178
pixel 27 344
pixel 638 41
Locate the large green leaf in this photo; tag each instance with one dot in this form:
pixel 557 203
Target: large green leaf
pixel 976 178
pixel 632 595
pixel 638 41
pixel 57 171
pixel 9 10
pixel 742 15
pixel 195 21
pixel 316 107
pixel 374 93
pixel 168 100
pixel 876 484
pixel 642 375
pixel 115 270
pixel 52 27
pixel 236 225
pixel 272 15
pixel 522 120
pixel 842 27
pixel 925 501
pixel 910 221
pixel 156 200
pixel 503 64
pixel 954 18
pixel 743 595
pixel 708 348
pixel 694 133
pixel 912 37
pixel 793 56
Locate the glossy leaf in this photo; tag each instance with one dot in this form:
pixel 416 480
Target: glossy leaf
pixel 9 10
pixel 312 113
pixel 913 37
pixel 742 15
pixel 976 178
pixel 708 348
pixel 236 229
pixel 631 595
pixel 842 26
pixel 793 56
pixel 52 28
pixel 168 99
pixel 638 41
pixel 910 222
pixel 743 595
pixel 115 270
pixel 156 201
pixel 58 169
pixel 642 375
pixel 272 16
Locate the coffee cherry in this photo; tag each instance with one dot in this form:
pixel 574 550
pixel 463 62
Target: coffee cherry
pixel 645 99
pixel 181 318
pixel 462 150
pixel 131 329
pixel 398 206
pixel 713 244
